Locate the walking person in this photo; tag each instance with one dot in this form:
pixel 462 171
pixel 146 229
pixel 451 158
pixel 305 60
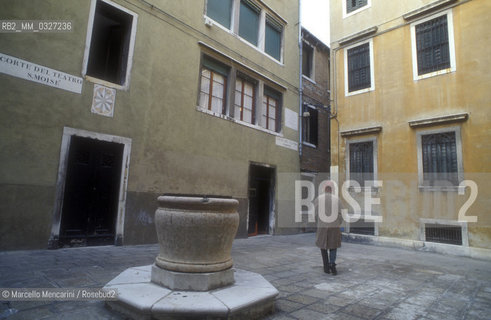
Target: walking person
pixel 328 237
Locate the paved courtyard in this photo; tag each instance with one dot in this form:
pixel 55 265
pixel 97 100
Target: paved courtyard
pixel 372 283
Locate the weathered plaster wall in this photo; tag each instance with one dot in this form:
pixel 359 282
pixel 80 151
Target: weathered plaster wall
pixel 397 99
pixel 175 148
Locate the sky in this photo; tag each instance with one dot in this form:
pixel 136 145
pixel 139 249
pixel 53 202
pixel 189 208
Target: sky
pixel 315 18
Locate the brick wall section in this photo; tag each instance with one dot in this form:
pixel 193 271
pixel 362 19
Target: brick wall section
pixel 316 93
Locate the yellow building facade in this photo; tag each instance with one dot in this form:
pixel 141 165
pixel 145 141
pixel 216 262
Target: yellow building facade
pixel 411 98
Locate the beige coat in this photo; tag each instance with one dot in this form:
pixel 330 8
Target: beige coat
pixel 328 234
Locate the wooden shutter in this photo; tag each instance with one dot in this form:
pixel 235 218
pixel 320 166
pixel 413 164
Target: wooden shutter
pixel 359 67
pixel 432 45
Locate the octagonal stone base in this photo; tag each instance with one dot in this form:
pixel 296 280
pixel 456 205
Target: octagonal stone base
pixel 250 297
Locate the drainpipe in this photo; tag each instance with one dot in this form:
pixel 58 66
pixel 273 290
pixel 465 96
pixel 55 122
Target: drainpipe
pixel 300 105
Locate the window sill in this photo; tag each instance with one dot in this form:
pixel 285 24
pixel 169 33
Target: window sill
pixel 353 93
pixel 441 189
pixel 309 145
pixel 308 79
pixel 106 83
pixel 349 14
pixel 246 124
pixel 433 74
pixel 372 190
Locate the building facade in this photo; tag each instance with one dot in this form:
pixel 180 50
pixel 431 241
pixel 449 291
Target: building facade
pixel 411 98
pixel 315 155
pixel 130 100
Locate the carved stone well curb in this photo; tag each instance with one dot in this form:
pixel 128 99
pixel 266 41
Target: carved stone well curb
pixel 195 237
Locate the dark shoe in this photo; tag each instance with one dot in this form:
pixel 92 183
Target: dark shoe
pixel 332 266
pixel 327 269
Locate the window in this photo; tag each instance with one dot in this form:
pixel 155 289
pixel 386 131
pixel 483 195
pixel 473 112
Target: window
pixel 111 38
pixel 249 21
pixel 352 5
pixel 361 161
pixel 440 158
pixel 244 101
pixel 310 124
pixel 272 44
pixel 236 93
pixel 252 20
pixel 271 110
pixel 213 89
pixel 359 68
pixel 433 46
pixel 307 60
pixel 220 11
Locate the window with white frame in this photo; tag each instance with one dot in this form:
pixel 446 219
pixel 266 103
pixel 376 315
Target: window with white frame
pixel 252 21
pixel 433 48
pixel 271 109
pixel 245 100
pixel 359 75
pixel 439 158
pixel 362 161
pixel 351 7
pixel 213 89
pixel 111 33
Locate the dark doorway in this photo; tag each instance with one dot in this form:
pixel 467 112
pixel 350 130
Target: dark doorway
pixel 91 194
pixel 261 198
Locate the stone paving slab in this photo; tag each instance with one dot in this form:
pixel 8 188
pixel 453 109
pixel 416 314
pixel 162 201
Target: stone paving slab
pixel 373 282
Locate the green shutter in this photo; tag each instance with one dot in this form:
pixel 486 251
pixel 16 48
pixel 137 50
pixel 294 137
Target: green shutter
pixel 248 22
pixel 215 65
pixel 273 40
pixel 220 11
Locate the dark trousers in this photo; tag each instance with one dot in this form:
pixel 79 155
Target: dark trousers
pixel 329 259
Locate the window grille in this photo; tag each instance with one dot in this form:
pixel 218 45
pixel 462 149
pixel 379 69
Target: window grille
pixel 439 158
pixel 443 234
pixel 363 227
pixel 359 67
pixel 361 162
pixel 432 45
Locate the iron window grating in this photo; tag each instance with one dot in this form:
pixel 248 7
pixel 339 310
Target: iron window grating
pixel 441 233
pixel 361 162
pixel 440 158
pixel 363 227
